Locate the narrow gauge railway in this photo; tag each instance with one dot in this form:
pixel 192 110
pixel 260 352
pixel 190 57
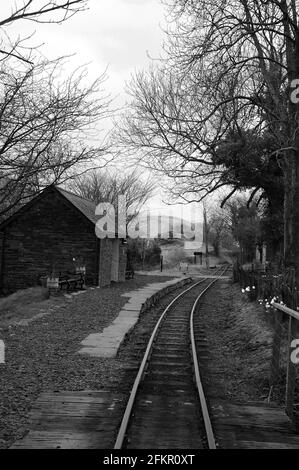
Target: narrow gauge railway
pixel 167 408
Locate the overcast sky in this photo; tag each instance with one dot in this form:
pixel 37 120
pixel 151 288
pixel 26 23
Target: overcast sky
pixel 119 34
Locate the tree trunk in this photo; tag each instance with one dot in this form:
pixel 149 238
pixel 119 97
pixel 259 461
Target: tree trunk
pixel 216 246
pixel 291 215
pixel 291 175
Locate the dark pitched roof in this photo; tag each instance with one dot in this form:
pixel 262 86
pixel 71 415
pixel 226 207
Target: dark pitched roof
pixel 86 207
pixel 83 205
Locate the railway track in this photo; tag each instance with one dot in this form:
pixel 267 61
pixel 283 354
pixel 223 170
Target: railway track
pixel 167 406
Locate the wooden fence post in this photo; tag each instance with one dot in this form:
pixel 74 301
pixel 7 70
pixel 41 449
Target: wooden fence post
pixel 275 360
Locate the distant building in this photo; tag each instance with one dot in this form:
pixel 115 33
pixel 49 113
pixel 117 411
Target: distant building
pixel 197 250
pixel 50 233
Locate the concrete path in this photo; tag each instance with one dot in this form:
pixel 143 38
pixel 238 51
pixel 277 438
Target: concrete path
pixel 166 272
pixel 193 270
pixel 106 344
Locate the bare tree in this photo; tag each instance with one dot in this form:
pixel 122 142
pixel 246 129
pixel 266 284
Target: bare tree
pixel 218 229
pixel 164 124
pixel 38 11
pixel 46 123
pixel 232 66
pixel 45 120
pixel 100 186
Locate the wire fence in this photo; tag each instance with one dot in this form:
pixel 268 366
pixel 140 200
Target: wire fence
pixel 278 293
pixel 264 284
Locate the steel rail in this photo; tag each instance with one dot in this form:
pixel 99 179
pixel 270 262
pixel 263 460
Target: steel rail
pixel 202 398
pixel 128 411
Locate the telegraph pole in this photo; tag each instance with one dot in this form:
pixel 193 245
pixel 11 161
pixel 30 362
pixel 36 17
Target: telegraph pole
pixel 206 232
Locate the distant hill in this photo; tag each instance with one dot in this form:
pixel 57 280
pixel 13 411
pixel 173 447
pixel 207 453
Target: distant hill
pixel 171 227
pixel 193 246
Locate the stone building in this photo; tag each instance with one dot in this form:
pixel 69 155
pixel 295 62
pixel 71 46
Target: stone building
pixel 52 233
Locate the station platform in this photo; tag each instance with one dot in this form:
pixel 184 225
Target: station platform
pixel 106 344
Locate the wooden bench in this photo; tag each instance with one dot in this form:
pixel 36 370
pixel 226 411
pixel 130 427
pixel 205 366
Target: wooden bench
pixel 71 280
pixel 130 273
